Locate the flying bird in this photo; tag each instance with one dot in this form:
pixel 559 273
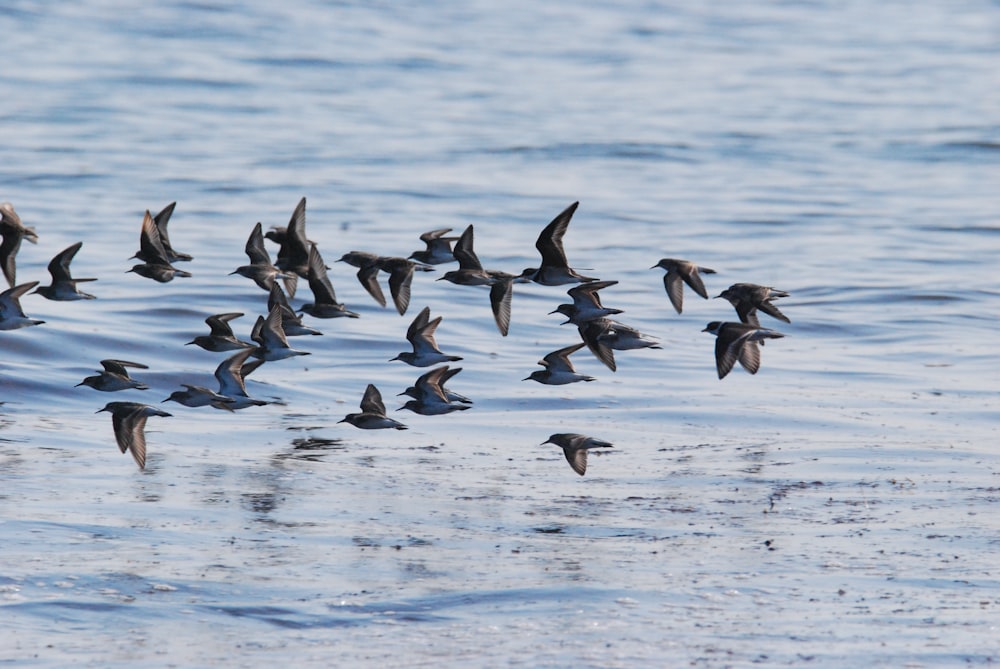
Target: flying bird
pixel 372 415
pixel 575 447
pixel 115 377
pixel 63 286
pixel 420 334
pixel 678 273
pixel 156 262
pixel 748 298
pixel 13 232
pixel 738 341
pixel 555 269
pixel 129 421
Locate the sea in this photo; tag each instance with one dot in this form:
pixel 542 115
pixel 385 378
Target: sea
pixel 839 508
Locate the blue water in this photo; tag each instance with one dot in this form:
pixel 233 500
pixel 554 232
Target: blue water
pixel 836 509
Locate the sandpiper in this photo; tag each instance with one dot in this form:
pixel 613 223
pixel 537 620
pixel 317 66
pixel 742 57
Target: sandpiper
pixel 372 415
pixel 129 421
pixel 438 249
pixel 586 303
pixel 555 269
pixel 63 286
pixel 156 263
pixel 221 337
pixel 231 375
pixel 272 344
pixel 420 334
pixel 260 269
pixel 400 272
pixel 368 269
pixel 558 369
pixel 199 396
pixel 115 377
pixel 12 316
pixel 424 385
pixel 738 341
pixel 291 322
pixel 325 304
pixel 575 448
pixel 161 220
pixel 678 273
pixel 13 232
pixel 748 298
pixel 431 397
pixel 470 272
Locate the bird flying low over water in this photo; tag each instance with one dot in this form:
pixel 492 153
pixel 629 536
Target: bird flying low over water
pixel 430 396
pixel 368 269
pixel 156 261
pixel 272 344
pixel 12 316
pixel 738 341
pixel 555 269
pixel 115 377
pixel 678 273
pixel 558 369
pixel 575 447
pixel 161 220
pixel 199 396
pixel 63 286
pixel 470 272
pixel 372 415
pixel 420 334
pixel 438 249
pixel 324 304
pixel 260 269
pixel 291 322
pixel 432 383
pixel 231 375
pixel 400 272
pixel 129 421
pixel 748 298
pixel 586 303
pixel 13 232
pixel 221 337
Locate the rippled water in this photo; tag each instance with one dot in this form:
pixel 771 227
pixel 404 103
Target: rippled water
pixel 837 509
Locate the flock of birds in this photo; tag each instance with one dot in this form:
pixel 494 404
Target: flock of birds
pixel 299 258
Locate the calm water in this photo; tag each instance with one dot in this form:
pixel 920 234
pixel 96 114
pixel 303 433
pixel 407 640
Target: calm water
pixel 837 509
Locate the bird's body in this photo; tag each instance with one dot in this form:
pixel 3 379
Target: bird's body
pixel 438 251
pixel 199 396
pixel 420 334
pixel 325 304
pixel 586 303
pixel 129 422
pixel 221 337
pixel 231 375
pixel 272 344
pixel 372 415
pixel 156 261
pixel 12 316
pixel 470 272
pixel 738 341
pixel 63 287
pixel 678 273
pixel 260 269
pixel 559 370
pixel 115 377
pixel 575 447
pixel 749 298
pixel 13 232
pixel 554 269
